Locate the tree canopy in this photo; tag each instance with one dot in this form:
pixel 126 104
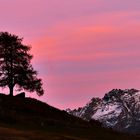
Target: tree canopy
pixel 15 65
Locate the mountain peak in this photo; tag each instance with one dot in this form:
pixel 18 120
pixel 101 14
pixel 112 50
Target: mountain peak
pixel 117 94
pixel 118 109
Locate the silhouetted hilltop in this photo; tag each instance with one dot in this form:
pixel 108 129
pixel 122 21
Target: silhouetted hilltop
pixel 16 110
pixel 30 119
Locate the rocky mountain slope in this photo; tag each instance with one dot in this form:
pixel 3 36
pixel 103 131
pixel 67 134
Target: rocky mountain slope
pixel 118 109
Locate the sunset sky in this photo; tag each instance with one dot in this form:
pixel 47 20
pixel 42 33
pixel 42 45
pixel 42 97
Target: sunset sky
pixel 82 48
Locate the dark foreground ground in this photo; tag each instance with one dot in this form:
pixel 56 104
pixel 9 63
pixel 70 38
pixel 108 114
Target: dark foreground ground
pixel 15 134
pixel 29 119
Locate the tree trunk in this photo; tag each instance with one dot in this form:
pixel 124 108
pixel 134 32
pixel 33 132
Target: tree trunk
pixel 11 90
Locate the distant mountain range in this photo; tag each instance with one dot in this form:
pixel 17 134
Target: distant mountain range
pixel 118 109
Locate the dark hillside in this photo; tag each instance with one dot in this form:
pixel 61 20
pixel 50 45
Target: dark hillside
pixel 15 110
pixel 30 119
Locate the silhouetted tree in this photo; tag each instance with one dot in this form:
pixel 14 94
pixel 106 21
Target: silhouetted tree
pixel 15 67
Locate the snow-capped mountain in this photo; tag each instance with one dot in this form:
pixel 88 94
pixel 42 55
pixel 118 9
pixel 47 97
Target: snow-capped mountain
pixel 118 109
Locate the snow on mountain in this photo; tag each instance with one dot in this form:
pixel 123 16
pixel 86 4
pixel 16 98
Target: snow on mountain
pixel 109 111
pixel 118 109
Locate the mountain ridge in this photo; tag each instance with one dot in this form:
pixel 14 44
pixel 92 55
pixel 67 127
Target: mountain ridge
pixel 118 109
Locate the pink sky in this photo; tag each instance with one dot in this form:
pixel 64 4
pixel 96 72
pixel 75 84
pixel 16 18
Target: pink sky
pixel 82 48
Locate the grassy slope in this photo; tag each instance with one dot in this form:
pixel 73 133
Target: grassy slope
pixel 29 119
